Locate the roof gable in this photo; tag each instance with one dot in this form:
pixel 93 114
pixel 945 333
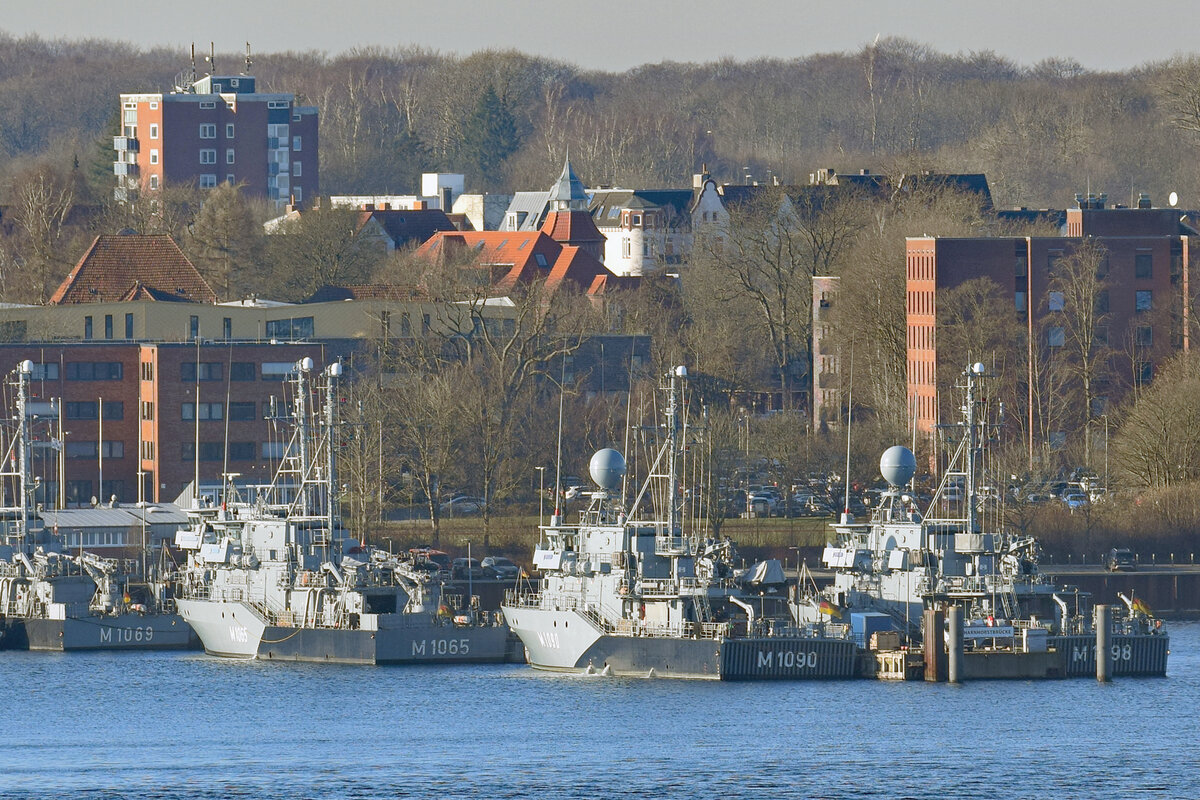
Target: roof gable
pixel 135 267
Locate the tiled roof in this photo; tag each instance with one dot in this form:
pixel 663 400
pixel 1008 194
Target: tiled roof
pixel 405 226
pixel 571 227
pixel 366 291
pixel 134 267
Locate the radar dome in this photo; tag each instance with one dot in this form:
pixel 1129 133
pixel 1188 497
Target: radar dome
pixel 607 468
pixel 897 465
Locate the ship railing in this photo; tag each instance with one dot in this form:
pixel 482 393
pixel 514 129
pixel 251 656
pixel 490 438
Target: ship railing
pixel 671 544
pixel 523 599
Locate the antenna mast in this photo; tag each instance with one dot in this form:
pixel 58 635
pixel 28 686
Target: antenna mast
pixel 248 60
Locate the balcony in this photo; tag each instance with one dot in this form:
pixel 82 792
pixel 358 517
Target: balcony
pixel 126 170
pixel 125 143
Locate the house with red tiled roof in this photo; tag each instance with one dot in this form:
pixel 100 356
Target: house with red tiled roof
pixel 512 258
pixel 133 267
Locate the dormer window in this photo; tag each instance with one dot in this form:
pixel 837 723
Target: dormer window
pixel 541 260
pixel 637 219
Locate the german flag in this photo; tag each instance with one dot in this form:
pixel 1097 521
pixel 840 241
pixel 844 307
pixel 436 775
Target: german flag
pixel 829 608
pixel 1139 605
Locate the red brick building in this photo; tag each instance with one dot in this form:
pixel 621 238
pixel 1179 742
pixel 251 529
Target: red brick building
pixel 125 407
pixel 1144 305
pixel 219 129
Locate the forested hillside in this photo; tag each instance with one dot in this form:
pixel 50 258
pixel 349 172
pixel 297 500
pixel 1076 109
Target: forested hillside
pixel 1040 132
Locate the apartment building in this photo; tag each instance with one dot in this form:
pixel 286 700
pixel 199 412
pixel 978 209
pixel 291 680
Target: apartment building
pixel 217 129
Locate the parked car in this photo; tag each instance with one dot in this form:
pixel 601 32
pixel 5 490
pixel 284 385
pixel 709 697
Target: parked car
pixel 763 504
pixel 429 560
pixel 1075 500
pixel 463 568
pixel 1121 559
pixel 461 505
pixel 500 567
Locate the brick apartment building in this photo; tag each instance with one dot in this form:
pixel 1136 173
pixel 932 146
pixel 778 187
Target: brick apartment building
pixel 129 406
pixel 218 129
pixel 1145 307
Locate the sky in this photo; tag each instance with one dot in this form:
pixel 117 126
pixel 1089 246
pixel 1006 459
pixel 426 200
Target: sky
pixel 1099 34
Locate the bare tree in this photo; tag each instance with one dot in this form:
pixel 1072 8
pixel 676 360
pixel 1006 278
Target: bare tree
pixel 43 201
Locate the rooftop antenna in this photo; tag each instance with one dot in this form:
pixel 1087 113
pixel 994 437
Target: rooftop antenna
pixel 211 58
pixel 249 61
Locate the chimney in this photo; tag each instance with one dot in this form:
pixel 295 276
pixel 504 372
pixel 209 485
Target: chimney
pixel 418 205
pixel 385 207
pixel 1144 200
pixel 368 206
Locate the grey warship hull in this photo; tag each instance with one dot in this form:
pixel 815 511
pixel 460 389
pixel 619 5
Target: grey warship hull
pixel 99 632
pixel 565 641
pixel 236 630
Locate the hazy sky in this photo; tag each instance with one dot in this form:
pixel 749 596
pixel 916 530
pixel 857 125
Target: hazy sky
pixel 1100 34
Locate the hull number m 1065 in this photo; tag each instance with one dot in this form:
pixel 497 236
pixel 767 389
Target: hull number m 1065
pixel 441 647
pixel 126 635
pixel 786 659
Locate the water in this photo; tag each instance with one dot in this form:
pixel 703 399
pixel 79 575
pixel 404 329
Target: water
pixel 184 725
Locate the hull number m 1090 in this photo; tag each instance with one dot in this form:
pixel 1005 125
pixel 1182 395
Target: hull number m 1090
pixel 786 659
pixel 441 647
pixel 126 635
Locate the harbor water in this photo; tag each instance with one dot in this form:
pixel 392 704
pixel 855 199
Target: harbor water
pixel 186 725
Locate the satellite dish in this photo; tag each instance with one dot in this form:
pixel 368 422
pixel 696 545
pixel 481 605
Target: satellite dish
pixel 1173 199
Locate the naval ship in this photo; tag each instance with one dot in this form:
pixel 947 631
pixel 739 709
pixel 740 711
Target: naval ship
pixel 902 562
pixel 279 578
pixel 623 595
pixel 53 599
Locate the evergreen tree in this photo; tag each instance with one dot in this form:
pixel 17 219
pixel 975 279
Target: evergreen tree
pixel 489 137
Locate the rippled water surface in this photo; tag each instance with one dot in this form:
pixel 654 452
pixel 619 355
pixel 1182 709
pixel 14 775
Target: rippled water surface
pixel 182 725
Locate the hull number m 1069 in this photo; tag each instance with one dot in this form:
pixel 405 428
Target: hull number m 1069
pixel 126 635
pixel 786 659
pixel 441 647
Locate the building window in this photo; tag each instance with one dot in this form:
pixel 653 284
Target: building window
pixel 208 411
pixel 226 328
pixel 1020 265
pixel 242 371
pixel 94 370
pixel 153 156
pixel 1102 302
pixel 1143 336
pixel 230 179
pixel 113 449
pixel 193 327
pixel 241 451
pixel 79 492
pixel 153 181
pixel 147 370
pixel 1055 301
pixel 625 247
pixel 208 130
pixel 208 156
pixel 229 155
pixel 272 450
pixel 296 143
pixel 277 370
pixel 241 411
pixel 87 327
pixel 153 134
pixel 82 410
pixel 1101 336
pixel 148 450
pixel 153 105
pixel 79 449
pixel 295 169
pixel 1055 337
pixel 45 372
pixel 207 370
pixel 295 328
pixel 229 130
pixel 1143 372
pixel 148 410
pixel 1143 300
pixel 209 451
pixel 208 181
pixel 298 194
pixel 1143 266
pixel 129 326
pixel 108 326
pixel 1052 259
pixel 1019 301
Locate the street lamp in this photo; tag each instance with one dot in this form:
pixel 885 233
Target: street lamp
pixel 541 494
pixel 1105 418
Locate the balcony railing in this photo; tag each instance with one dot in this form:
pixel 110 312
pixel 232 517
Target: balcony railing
pixel 125 143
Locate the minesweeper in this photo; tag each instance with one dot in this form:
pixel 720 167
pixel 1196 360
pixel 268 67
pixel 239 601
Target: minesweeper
pixel 895 569
pixel 54 599
pixel 621 595
pixel 279 577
